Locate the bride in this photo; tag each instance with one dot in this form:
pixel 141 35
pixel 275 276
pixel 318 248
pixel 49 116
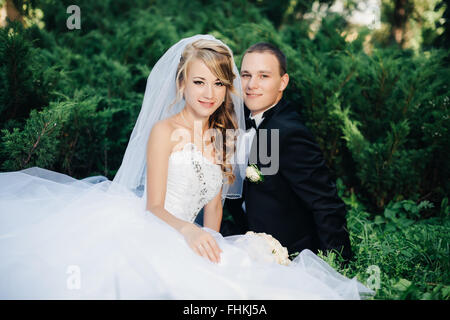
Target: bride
pixel 134 237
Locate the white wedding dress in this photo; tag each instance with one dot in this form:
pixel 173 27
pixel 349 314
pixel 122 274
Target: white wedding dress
pixel 62 238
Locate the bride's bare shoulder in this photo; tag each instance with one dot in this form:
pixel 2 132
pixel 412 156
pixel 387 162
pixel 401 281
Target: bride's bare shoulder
pixel 163 128
pixel 160 135
pixel 164 132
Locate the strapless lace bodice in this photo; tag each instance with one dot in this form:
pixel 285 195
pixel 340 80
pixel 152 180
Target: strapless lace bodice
pixel 192 182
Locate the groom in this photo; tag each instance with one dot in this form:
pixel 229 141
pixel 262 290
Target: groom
pixel 298 204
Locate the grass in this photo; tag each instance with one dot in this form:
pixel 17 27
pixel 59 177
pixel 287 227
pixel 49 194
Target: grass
pixel 398 254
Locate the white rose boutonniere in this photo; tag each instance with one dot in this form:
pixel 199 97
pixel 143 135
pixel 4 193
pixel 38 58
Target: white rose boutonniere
pixel 254 174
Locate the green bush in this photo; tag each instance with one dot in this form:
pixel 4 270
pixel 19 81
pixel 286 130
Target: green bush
pixel 411 255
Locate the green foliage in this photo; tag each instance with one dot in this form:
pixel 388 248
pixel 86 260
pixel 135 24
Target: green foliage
pixel 15 73
pixel 398 215
pixel 36 144
pixel 411 254
pixel 69 136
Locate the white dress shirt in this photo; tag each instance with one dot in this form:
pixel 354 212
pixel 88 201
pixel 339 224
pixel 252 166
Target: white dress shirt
pixel 250 135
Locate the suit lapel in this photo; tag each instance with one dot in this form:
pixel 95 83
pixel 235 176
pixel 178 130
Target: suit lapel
pixel 271 113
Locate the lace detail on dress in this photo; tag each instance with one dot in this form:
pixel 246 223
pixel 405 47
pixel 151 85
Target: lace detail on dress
pixel 192 182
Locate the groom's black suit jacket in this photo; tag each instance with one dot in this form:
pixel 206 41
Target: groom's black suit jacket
pixel 299 204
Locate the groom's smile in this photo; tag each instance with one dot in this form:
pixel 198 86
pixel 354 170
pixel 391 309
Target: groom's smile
pixel 252 95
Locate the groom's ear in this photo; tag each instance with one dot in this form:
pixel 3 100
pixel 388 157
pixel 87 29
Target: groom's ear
pixel 284 81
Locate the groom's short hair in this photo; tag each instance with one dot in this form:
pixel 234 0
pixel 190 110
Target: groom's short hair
pixel 268 47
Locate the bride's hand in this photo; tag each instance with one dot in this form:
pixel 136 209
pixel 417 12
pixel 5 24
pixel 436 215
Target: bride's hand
pixel 201 242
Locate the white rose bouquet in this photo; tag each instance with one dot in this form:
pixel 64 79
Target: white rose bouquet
pixel 264 247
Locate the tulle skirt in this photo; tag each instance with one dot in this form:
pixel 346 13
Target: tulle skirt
pixel 62 238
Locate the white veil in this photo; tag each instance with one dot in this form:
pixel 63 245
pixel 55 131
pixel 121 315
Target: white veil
pixel 160 93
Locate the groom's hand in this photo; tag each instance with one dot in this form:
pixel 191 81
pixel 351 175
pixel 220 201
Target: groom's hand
pixel 201 242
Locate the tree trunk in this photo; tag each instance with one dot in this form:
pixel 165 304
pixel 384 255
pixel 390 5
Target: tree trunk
pixel 399 23
pixel 12 13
